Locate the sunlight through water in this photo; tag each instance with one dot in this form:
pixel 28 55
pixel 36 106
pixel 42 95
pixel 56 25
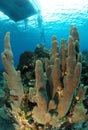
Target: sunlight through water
pixel 63 9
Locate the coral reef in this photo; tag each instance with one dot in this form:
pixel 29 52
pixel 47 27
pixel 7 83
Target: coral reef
pixel 84 76
pixel 27 64
pixel 55 100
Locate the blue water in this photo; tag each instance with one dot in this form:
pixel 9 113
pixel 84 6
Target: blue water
pixel 56 20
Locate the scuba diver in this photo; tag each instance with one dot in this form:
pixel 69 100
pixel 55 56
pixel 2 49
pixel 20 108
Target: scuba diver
pixel 40 25
pixel 25 24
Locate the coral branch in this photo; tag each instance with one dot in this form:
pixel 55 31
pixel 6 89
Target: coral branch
pixel 11 75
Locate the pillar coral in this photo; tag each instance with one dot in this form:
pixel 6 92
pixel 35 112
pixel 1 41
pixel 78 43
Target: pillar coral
pixel 40 112
pixel 70 80
pixel 63 72
pixel 11 75
pixel 14 83
pixel 54 88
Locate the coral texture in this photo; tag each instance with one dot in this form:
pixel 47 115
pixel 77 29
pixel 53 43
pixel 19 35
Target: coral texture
pixel 56 86
pixel 11 75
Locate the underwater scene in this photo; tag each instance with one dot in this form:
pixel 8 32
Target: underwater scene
pixel 43 65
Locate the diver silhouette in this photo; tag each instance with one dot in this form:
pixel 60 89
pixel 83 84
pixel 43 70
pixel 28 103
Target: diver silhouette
pixel 25 24
pixel 40 25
